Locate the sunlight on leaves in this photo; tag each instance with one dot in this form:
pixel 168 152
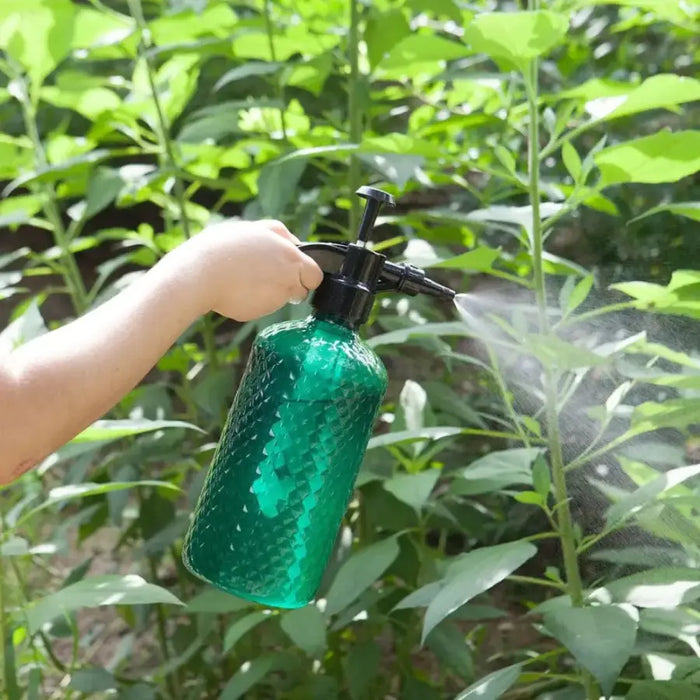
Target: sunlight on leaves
pixel 660 157
pixel 516 37
pixel 96 591
pixel 493 686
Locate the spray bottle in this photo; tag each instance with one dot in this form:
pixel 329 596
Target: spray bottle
pixel 285 467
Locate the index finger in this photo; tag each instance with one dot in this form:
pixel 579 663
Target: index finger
pixel 279 228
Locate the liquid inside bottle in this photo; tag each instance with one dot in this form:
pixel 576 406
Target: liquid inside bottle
pixel 286 464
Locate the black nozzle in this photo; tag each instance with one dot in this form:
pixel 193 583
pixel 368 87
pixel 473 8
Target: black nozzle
pixel 411 280
pixel 353 274
pixel 375 199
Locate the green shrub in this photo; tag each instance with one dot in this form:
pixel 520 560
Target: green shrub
pixel 128 127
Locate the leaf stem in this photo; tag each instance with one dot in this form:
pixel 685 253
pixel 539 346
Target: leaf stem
pixel 355 114
pixel 535 581
pixel 563 516
pixel 506 395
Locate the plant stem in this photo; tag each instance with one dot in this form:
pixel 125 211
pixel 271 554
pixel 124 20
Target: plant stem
pixel 273 56
pixel 506 395
pixel 355 115
pixel 171 682
pixel 167 151
pixel 574 586
pixel 168 159
pixel 70 271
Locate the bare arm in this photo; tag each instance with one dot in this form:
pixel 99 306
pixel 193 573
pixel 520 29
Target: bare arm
pixel 56 385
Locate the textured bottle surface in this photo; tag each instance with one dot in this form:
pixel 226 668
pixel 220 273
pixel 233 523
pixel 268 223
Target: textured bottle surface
pixel 286 464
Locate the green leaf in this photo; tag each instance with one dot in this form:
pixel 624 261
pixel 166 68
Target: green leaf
pixel 306 627
pixel 600 638
pixel 359 572
pixel 203 19
pixel 531 498
pixel 660 157
pixel 138 691
pixel 361 665
pixel 679 296
pixel 493 686
pixel 37 34
pixel 690 210
pixel 578 295
pixel 250 69
pixel 663 690
pixel 448 643
pixel 633 503
pixel 103 430
pixel 665 587
pixel 65 170
pixel 480 570
pixel 250 674
pixel 676 413
pixel 516 460
pixel 91 102
pixel 242 626
pixel 420 49
pixel 572 161
pixel 666 667
pixel 92 28
pixel 413 489
pixel 404 335
pixel 215 602
pixel 678 623
pixel 440 8
pixel 67 493
pixel 94 592
pixel 496 470
pixel 506 158
pixel 92 680
pixel 296 38
pixel 657 350
pixel 383 31
pixel 412 435
pixel 665 90
pixel 277 185
pixel 670 10
pixel 554 351
pixel 14 547
pixel 478 260
pixel 516 37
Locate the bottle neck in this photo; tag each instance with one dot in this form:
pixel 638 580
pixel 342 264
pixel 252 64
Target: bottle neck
pixel 338 322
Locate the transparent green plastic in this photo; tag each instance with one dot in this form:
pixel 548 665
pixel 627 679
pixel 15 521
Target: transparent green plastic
pixel 285 466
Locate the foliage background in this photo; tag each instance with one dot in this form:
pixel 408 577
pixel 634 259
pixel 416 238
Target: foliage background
pixel 129 126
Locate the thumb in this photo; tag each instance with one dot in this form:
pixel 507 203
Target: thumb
pixel 310 274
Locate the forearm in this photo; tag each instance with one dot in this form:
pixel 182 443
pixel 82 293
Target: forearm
pixel 56 385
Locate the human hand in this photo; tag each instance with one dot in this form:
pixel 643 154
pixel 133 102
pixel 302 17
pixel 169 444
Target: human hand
pixel 245 270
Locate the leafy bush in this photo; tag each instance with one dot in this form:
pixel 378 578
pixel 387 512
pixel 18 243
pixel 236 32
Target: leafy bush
pixel 128 127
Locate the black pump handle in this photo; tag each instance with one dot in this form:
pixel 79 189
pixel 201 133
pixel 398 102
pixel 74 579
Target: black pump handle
pixel 375 199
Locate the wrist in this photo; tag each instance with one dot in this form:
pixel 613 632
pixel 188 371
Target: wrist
pixel 186 271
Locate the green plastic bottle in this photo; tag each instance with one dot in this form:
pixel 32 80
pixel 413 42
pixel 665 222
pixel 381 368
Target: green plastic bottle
pixel 285 467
